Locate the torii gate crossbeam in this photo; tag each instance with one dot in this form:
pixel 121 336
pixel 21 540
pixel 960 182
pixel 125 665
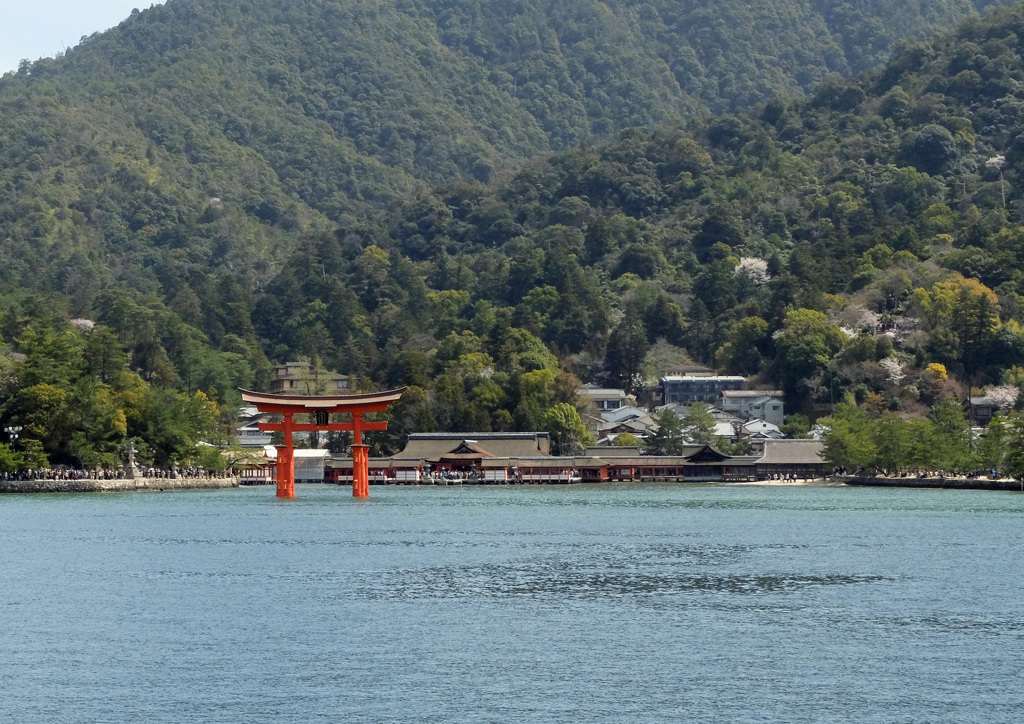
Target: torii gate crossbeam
pixel 322 408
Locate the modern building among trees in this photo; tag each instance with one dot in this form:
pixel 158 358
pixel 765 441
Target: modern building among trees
pixel 301 378
pixel 604 399
pixel 698 387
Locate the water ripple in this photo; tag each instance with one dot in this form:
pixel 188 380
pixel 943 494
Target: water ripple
pixel 491 581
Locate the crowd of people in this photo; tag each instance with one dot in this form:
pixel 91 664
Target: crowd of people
pixel 120 473
pixel 53 474
pixel 456 475
pixel 920 474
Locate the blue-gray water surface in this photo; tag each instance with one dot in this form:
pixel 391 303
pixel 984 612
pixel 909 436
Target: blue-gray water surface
pixel 526 604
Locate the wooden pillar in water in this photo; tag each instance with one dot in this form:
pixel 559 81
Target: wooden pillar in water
pixel 322 407
pixel 360 471
pixel 360 459
pixel 286 461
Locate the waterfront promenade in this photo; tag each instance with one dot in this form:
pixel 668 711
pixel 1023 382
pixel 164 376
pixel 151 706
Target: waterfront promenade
pixel 114 485
pixel 935 481
pixel 164 484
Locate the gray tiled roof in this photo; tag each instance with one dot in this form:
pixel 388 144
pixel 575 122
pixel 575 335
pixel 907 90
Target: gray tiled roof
pixel 431 446
pixel 792 452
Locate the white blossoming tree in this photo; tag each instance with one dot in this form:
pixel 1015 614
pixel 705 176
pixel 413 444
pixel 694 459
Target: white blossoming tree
pixel 996 163
pixel 754 269
pixel 1003 397
pixel 895 370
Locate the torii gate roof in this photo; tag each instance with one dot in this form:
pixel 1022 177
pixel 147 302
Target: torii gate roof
pixel 266 402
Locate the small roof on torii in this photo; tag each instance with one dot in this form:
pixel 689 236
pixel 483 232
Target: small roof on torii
pixel 335 403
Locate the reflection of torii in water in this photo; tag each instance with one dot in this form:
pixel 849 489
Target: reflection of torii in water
pixel 322 408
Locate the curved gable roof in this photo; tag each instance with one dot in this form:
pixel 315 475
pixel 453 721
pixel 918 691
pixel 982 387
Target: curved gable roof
pixel 433 446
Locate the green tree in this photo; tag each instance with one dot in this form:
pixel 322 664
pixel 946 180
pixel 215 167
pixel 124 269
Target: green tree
pixel 10 459
pixel 626 439
pixel 746 342
pixel 624 359
pixel 569 435
pixel 667 438
pixel 173 425
pixel 52 356
pixel 952 438
pixel 896 444
pixel 698 424
pixel 849 439
pixel 33 456
pixel 930 149
pixel 992 447
pixel 103 355
pixel 796 425
pixel 963 319
pixel 740 447
pixel 1013 463
pixel 410 414
pixel 44 411
pixel 212 458
pixel 806 344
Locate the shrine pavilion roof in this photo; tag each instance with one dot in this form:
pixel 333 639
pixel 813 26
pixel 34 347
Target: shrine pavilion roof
pixel 792 452
pixel 434 446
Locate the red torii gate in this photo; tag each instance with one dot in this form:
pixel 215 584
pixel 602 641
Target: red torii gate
pixel 322 408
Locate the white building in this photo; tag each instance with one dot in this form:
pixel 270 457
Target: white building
pixel 755 405
pixel 310 465
pixel 604 398
pixel 762 428
pixel 248 431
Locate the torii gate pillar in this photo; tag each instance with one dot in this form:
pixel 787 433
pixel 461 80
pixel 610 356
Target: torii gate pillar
pixel 322 408
pixel 361 471
pixel 285 472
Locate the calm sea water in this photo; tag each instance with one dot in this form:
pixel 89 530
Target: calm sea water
pixel 536 604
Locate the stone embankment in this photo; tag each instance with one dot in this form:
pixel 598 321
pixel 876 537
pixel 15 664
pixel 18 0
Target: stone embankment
pixel 115 486
pixel 933 482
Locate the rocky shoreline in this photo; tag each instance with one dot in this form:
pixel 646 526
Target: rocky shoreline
pixel 116 486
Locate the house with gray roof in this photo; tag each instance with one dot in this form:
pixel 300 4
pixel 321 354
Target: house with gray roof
pixel 755 404
pixel 604 398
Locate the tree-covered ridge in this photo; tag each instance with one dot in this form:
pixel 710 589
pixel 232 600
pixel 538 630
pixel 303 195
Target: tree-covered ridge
pixel 779 244
pixel 189 150
pixel 212 136
pixel 341 105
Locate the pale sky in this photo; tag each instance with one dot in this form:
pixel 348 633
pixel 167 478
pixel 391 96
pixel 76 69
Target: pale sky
pixel 37 29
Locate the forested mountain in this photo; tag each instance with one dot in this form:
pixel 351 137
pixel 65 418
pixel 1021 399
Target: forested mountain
pixel 198 188
pixel 277 109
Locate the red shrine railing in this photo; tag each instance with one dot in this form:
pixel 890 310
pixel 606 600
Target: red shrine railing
pixel 322 408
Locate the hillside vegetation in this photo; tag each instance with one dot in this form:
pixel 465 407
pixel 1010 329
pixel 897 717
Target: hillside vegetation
pixel 210 216
pixel 290 112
